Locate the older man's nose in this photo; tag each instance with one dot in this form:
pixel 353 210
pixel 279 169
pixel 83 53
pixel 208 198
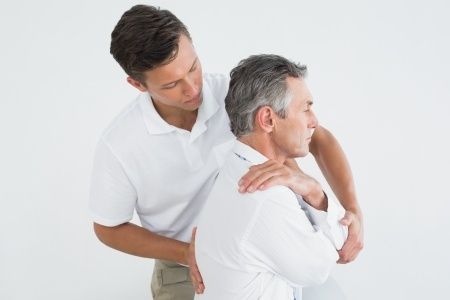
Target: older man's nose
pixel 314 122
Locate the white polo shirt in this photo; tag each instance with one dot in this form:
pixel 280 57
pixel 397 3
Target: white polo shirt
pixel 163 172
pixel 266 244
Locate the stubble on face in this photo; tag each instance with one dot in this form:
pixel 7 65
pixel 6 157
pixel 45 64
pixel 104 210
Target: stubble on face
pixel 293 134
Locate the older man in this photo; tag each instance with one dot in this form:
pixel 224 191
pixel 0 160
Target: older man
pixel 269 243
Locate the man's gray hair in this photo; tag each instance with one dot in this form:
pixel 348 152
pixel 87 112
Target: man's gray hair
pixel 257 81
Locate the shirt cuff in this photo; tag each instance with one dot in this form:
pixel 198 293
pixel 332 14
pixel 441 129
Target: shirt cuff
pixel 328 221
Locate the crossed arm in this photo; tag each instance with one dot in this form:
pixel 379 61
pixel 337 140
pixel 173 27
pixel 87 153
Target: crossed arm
pixel 135 240
pixel 334 165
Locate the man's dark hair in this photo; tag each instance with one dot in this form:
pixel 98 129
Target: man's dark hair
pixel 144 38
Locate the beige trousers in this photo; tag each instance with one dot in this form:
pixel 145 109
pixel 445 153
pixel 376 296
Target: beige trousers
pixel 171 281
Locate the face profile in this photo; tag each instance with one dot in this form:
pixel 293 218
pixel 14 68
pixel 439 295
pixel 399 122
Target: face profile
pixel 292 134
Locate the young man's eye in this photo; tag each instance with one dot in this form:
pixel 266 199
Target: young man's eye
pixel 172 85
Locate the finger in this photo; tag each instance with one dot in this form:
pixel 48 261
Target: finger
pixel 198 285
pixel 260 182
pixel 195 283
pixel 197 280
pixel 344 253
pixel 344 257
pixel 256 168
pixel 353 245
pixel 272 181
pixel 351 249
pixel 351 255
pixel 194 232
pixel 200 288
pixel 196 273
pixel 354 250
pixel 342 261
pixel 253 174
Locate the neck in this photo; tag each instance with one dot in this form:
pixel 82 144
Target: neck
pixel 263 144
pixel 176 116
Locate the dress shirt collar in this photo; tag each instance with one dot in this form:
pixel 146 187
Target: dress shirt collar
pixel 246 152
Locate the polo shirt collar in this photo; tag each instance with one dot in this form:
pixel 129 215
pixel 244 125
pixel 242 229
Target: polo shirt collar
pixel 153 121
pixel 206 110
pixel 249 154
pixel 157 125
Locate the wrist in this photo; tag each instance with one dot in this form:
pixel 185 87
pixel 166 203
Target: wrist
pixel 184 256
pixel 356 211
pixel 317 198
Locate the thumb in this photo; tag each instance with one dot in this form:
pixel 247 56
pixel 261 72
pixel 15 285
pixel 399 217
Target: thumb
pixel 194 232
pixel 347 219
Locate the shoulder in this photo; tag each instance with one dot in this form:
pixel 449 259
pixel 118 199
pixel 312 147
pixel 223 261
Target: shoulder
pixel 125 125
pixel 279 197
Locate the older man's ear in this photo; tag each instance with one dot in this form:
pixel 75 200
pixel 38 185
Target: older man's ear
pixel 265 119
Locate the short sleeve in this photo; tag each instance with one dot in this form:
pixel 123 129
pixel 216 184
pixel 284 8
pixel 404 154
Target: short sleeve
pixel 112 196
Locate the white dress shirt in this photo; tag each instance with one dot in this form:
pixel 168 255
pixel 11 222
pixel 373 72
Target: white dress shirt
pixel 163 172
pixel 266 244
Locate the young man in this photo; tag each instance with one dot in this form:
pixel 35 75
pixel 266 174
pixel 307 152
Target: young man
pixel 161 155
pixel 270 247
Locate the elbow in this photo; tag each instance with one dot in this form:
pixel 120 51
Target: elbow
pixel 320 275
pixel 320 268
pixel 323 274
pixel 327 263
pixel 104 234
pixel 100 232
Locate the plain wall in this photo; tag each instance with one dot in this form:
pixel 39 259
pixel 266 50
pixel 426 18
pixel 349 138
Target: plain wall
pixel 379 73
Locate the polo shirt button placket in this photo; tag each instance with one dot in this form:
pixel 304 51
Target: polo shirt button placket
pixel 191 151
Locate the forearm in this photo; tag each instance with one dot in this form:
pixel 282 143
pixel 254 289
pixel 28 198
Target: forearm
pixel 334 165
pixel 136 240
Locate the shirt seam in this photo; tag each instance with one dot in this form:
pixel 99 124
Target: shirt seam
pixel 121 163
pixel 118 118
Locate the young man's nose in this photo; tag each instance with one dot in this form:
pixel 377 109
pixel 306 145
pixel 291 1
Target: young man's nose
pixel 191 89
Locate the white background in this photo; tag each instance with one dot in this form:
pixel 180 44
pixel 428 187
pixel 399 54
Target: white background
pixel 379 72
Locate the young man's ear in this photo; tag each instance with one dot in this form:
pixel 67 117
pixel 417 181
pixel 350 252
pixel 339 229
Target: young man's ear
pixel 265 119
pixel 137 84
